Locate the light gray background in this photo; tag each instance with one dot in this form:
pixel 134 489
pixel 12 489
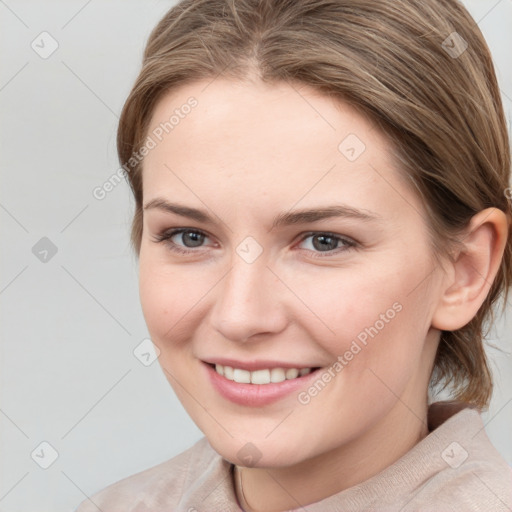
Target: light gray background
pixel 69 325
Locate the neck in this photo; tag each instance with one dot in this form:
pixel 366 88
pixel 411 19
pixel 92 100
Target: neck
pixel 285 488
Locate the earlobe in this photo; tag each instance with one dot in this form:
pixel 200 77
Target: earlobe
pixel 473 270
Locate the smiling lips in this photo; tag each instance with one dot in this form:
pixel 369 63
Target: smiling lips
pixel 256 384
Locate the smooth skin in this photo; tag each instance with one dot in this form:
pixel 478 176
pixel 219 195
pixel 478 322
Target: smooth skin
pixel 246 153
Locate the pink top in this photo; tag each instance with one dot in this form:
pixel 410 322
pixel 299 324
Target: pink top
pixel 455 468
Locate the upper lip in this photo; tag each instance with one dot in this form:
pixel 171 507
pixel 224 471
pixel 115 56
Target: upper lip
pixel 261 364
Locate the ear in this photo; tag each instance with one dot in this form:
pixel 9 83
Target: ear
pixel 470 274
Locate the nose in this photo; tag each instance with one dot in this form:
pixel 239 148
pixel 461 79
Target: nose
pixel 248 301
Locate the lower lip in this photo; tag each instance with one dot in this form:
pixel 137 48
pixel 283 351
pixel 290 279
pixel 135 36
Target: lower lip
pixel 256 395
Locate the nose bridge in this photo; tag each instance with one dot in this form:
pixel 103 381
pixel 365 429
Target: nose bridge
pixel 247 301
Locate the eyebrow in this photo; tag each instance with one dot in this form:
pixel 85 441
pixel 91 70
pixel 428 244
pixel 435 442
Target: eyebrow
pixel 303 216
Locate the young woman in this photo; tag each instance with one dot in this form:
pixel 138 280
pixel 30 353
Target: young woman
pixel 322 227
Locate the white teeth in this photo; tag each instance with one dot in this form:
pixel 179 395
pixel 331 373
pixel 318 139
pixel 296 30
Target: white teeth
pixel 228 372
pixel 273 375
pixel 292 373
pixel 260 377
pixel 242 376
pixel 277 375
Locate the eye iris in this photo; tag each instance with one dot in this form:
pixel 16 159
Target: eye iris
pixel 195 238
pixel 325 246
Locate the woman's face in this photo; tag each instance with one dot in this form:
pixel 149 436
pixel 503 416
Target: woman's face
pixel 254 282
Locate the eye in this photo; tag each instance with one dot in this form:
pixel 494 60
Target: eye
pixel 329 243
pixel 191 238
pixel 321 242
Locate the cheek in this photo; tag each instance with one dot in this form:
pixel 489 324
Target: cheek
pixel 380 328
pixel 370 320
pixel 166 293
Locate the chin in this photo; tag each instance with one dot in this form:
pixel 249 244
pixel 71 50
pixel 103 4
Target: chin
pixel 256 452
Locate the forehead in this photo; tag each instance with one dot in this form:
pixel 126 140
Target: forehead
pixel 255 112
pixel 242 141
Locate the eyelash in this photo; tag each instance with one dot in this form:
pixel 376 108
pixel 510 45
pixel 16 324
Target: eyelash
pixel 165 237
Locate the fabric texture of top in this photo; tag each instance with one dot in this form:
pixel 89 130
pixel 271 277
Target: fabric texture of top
pixel 455 468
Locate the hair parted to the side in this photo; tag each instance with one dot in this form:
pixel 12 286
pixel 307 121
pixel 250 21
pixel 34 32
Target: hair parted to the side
pixel 442 113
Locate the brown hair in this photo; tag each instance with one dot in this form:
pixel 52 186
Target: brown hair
pixel 405 65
